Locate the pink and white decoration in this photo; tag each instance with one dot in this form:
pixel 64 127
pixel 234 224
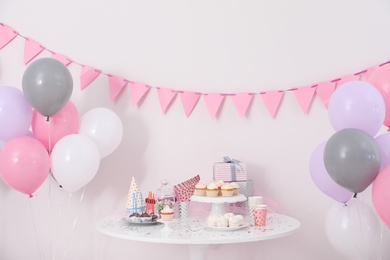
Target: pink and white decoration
pixel 189 99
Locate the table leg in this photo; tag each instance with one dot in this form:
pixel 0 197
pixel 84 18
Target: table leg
pixel 198 252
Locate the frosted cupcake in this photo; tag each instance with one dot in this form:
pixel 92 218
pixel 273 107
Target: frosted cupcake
pixel 166 213
pixel 200 189
pixel 227 190
pixel 236 188
pixel 219 185
pixel 212 190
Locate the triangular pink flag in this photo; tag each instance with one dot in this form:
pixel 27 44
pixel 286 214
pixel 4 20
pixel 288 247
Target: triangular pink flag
pixel 88 74
pixel 272 100
pixel 347 78
pixel 31 49
pixel 213 102
pixel 325 90
pixel 304 96
pixel 138 90
pixel 166 96
pixel 116 85
pixel 242 102
pixel 369 71
pixel 65 60
pixel 189 100
pixel 7 34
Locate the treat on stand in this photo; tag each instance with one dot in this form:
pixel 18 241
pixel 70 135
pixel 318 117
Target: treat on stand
pixel 200 189
pixel 227 190
pixel 164 203
pixel 236 188
pixel 166 213
pixel 219 184
pixel 212 190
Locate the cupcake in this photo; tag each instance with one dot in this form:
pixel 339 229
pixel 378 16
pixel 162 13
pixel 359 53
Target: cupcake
pixel 219 185
pixel 236 188
pixel 166 213
pixel 212 190
pixel 227 190
pixel 200 189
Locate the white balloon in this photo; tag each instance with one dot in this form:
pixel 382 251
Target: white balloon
pixel 75 161
pixel 353 230
pixel 104 127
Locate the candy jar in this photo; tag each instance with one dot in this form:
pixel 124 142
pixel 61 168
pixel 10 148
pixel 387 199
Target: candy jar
pixel 164 196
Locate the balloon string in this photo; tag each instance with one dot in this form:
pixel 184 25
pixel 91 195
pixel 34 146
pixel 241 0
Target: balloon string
pixel 50 218
pixel 59 217
pixel 74 223
pixel 48 122
pixel 35 230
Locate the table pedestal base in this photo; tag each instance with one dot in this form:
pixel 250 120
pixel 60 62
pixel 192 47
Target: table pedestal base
pixel 218 209
pixel 198 252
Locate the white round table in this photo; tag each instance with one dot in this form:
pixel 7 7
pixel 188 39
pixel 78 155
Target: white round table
pixel 194 233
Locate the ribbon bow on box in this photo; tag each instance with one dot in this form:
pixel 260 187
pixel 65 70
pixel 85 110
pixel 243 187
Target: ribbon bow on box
pixel 234 162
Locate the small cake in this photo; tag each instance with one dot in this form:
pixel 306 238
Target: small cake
pixel 219 184
pixel 227 190
pixel 222 222
pixel 212 190
pixel 200 189
pixel 166 213
pixel 236 221
pixel 236 188
pixel 212 220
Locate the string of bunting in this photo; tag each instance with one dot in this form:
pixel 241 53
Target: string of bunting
pixel 189 99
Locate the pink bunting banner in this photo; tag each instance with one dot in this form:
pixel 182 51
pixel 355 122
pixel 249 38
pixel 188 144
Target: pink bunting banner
pixel 7 34
pixel 65 60
pixel 242 102
pixel 31 50
pixel 304 96
pixel 116 85
pixel 138 91
pixel 166 96
pixel 189 99
pixel 88 74
pixel 272 100
pixel 325 90
pixel 213 102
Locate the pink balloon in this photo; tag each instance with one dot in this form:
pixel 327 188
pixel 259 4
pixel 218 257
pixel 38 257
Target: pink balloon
pixel 380 79
pixel 24 164
pixel 381 195
pixel 322 179
pixel 62 123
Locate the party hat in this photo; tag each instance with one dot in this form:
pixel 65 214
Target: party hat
pixel 135 202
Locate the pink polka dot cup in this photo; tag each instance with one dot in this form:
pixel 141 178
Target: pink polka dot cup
pixel 260 215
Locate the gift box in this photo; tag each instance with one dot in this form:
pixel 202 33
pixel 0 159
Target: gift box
pixel 246 187
pixel 229 170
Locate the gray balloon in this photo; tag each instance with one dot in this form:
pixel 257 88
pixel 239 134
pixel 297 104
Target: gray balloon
pixel 47 85
pixel 352 159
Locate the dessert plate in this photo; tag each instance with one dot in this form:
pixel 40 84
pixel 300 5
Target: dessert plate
pixel 226 228
pixel 129 221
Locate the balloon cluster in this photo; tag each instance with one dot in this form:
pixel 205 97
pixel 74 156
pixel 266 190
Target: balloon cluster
pixel 354 158
pixel 60 142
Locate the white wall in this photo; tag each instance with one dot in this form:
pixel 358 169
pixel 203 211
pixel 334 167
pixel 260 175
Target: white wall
pixel 207 46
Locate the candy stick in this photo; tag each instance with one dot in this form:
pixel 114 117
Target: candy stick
pixel 153 202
